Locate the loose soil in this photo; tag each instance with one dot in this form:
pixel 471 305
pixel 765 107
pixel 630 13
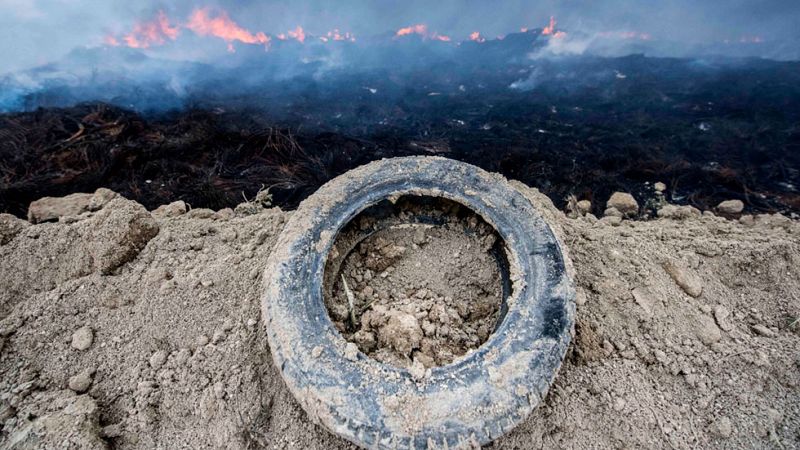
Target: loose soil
pixel 123 329
pixel 422 294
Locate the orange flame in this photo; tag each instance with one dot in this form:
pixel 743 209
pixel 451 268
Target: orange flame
pixel 146 34
pixel 338 36
pixel 476 36
pixel 422 30
pixel 224 28
pixel 298 34
pixel 414 29
pixel 548 30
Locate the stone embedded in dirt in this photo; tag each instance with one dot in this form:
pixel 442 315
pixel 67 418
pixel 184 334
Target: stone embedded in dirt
pixel 10 227
pixel 762 330
pixel 678 212
pixel 660 187
pixel 81 382
pixel 624 203
pixel 731 207
pixel 51 208
pixel 612 212
pixel 644 299
pixel 722 316
pixel 201 213
pixel 173 209
pixel 707 330
pixel 684 277
pixel 158 359
pixel 120 231
pixel 82 338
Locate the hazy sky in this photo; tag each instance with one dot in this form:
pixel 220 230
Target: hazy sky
pixel 33 32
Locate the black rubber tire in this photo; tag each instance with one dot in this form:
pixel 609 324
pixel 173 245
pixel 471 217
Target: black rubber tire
pixel 470 402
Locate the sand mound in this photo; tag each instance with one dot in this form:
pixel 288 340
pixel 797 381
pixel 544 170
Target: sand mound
pixel 118 328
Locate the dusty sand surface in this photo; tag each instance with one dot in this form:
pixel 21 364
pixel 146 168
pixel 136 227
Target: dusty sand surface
pixel 412 304
pixel 121 329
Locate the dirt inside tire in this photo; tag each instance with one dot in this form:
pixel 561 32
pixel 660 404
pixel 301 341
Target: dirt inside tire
pixel 416 283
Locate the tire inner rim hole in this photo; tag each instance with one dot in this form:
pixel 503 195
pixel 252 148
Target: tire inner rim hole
pixel 417 282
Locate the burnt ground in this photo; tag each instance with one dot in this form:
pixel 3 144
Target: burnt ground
pixel 586 126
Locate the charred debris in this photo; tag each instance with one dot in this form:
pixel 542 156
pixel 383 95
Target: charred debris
pixel 711 130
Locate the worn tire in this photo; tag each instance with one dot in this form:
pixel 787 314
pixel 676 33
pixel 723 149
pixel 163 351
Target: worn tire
pixel 470 402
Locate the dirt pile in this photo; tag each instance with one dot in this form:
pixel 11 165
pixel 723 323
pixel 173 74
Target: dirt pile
pixel 121 329
pixel 422 294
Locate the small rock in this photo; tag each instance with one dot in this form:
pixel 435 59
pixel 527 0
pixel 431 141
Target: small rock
pixel 722 316
pixel 82 338
pixel 158 359
pixel 612 212
pixel 660 187
pixel 173 209
pixel 762 330
pixel 730 207
pixel 351 351
pixel 51 208
pixel 316 352
pixel 81 382
pixel 584 207
pixel 707 330
pixel 202 340
pixel 624 203
pixel 683 277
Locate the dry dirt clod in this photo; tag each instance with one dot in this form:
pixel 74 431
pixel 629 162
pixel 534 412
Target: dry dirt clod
pixel 81 382
pixel 707 330
pixel 82 338
pixel 722 316
pixel 684 277
pixel 51 208
pixel 158 359
pixel 173 209
pixel 624 203
pixel 730 207
pixel 762 330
